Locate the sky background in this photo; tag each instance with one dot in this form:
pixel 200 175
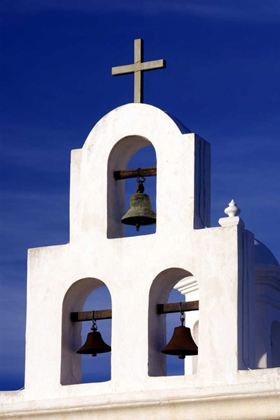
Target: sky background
pixel 221 81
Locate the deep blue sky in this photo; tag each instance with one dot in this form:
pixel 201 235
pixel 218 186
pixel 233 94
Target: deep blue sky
pixel 221 80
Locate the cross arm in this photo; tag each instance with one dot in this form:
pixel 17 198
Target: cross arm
pixel 155 64
pixel 119 70
pixel 132 68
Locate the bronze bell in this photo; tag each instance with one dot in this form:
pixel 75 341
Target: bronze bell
pixel 181 343
pixel 140 212
pixel 94 343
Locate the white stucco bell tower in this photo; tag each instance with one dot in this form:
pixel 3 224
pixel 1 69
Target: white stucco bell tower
pixel 216 266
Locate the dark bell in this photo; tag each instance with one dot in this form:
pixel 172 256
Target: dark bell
pixel 94 344
pixel 140 212
pixel 181 343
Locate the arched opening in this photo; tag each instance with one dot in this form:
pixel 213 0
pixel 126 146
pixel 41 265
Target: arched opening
pixel 131 152
pixel 85 294
pixel 97 369
pixel 161 326
pixel 275 344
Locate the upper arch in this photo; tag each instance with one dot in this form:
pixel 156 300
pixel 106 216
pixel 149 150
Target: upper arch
pixel 127 120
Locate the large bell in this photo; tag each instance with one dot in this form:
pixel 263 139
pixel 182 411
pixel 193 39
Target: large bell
pixel 181 343
pixel 94 343
pixel 140 212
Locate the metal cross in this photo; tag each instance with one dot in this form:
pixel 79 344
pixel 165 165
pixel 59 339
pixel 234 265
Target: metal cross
pixel 137 68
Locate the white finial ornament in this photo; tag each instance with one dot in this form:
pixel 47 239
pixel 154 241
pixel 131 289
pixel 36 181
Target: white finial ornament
pixel 232 209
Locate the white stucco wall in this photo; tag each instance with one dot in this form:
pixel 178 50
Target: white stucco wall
pixel 61 277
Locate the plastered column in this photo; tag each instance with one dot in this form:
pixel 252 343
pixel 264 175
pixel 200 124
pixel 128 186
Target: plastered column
pixel 218 279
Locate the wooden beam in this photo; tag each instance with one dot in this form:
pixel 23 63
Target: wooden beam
pixel 168 308
pixel 90 315
pixel 162 308
pixel 134 173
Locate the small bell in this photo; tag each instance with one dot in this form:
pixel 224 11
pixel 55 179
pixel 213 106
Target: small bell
pixel 181 343
pixel 140 212
pixel 94 343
